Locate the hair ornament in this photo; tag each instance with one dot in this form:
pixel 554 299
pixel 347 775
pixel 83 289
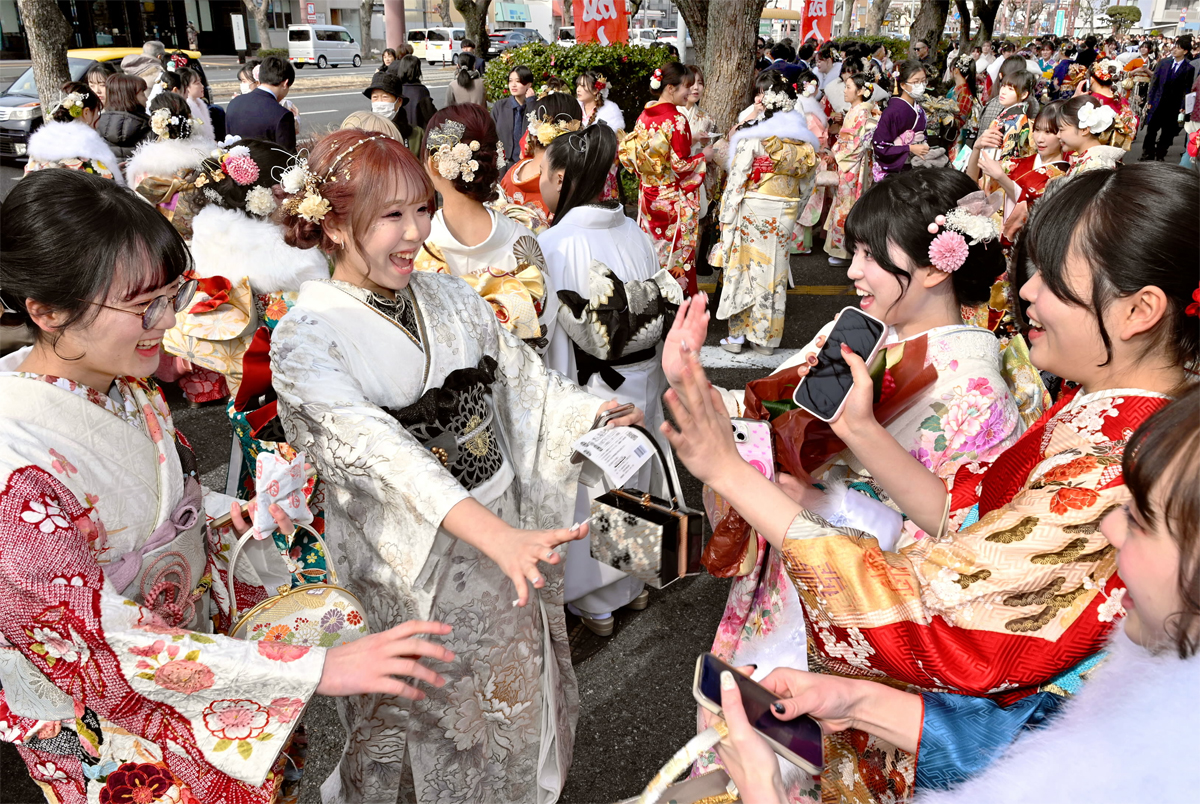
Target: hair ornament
pixel 500 160
pixel 1193 309
pixel 977 216
pixel 73 103
pixel 1106 69
pixel 578 143
pixel 303 187
pixel 1096 119
pixel 600 84
pixel 774 99
pixel 656 78
pixel 171 126
pixel 546 129
pixel 964 63
pixel 179 60
pixel 455 158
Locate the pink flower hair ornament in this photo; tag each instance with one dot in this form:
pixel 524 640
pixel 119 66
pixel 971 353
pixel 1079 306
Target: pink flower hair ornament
pixel 976 216
pixel 948 251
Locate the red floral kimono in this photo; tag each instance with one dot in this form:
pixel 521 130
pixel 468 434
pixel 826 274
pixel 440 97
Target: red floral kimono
pixel 1026 590
pixel 659 151
pixel 1031 175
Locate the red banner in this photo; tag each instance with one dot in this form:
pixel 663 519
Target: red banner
pixel 602 21
pixel 818 20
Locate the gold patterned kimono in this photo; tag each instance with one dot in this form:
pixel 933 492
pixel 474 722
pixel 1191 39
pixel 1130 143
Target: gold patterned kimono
pixel 771 175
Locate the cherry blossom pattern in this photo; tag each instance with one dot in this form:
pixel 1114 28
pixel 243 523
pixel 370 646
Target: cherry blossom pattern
pixel 54 647
pixel 140 783
pixel 46 514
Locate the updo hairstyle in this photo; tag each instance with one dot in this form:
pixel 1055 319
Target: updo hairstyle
pixel 481 128
pixel 91 100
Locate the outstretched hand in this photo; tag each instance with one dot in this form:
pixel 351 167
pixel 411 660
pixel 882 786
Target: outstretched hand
pixel 375 663
pixel 858 414
pixel 703 434
pixel 690 330
pixel 518 555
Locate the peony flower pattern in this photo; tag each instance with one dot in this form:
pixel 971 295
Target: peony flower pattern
pixel 968 423
pixel 54 647
pixel 236 720
pixel 140 783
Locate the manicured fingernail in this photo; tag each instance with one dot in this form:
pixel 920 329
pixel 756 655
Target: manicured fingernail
pixel 683 346
pixel 727 682
pixel 846 349
pixel 778 707
pixel 812 360
pixel 516 603
pixel 576 526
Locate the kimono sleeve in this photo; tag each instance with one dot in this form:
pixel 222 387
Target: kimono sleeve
pixel 231 703
pixel 738 180
pixel 883 139
pixel 357 448
pixel 689 169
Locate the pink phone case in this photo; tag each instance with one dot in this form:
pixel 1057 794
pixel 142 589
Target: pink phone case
pixel 753 439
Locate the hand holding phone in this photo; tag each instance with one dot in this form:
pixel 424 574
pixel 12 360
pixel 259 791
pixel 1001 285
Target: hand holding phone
pixel 823 391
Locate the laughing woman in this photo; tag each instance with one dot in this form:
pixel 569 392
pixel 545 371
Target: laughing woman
pixel 114 686
pixel 439 435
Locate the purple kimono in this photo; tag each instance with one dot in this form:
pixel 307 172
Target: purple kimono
pixel 898 127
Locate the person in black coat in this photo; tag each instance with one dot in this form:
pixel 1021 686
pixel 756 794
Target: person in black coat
pixel 418 104
pixel 124 124
pixel 509 114
pixel 258 114
pixel 1172 81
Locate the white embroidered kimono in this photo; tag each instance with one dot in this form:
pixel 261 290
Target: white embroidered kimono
pixel 507 269
pixel 103 565
pixel 502 728
pixel 584 235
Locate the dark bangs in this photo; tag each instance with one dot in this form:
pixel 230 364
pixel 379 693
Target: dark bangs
pixel 873 223
pixel 150 253
pixel 1165 451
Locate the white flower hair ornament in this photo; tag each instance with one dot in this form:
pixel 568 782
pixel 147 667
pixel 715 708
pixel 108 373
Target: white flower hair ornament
pixel 1096 119
pixel 810 89
pixel 73 103
pixel 977 217
pixel 774 99
pixel 656 78
pixel 455 158
pixel 303 187
pixel 260 201
pixel 162 122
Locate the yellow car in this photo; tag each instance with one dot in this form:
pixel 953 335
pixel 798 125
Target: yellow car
pixel 20 112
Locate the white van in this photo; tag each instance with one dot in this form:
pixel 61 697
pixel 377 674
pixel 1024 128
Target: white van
pixel 443 44
pixel 643 37
pixel 322 45
pixel 566 36
pixel 416 40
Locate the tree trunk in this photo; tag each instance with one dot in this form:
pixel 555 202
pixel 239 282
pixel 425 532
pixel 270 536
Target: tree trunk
pixel 985 12
pixel 48 34
pixel 723 35
pixel 848 16
pixel 258 8
pixel 928 27
pixel 875 16
pixel 365 10
pixel 475 16
pixel 443 11
pixel 568 9
pixel 964 28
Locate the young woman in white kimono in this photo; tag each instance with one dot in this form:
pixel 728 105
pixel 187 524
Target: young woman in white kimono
pixel 594 254
pixel 772 170
pixel 114 686
pixel 491 251
pixel 438 434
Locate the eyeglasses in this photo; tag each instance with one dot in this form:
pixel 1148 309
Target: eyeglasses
pixel 158 305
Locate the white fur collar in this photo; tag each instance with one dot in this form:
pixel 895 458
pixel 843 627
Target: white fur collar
pixel 55 141
pixel 165 158
pixel 1129 735
pixel 787 126
pixel 230 243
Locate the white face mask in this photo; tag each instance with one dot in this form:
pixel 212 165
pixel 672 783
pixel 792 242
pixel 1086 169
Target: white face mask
pixel 385 108
pixel 917 90
pixel 247 87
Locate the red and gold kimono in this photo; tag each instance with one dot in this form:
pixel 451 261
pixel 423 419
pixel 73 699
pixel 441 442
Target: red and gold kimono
pixel 1026 590
pixel 659 151
pixel 1031 175
pixel 1123 131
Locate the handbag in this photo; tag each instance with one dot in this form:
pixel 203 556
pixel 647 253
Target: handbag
pixel 656 541
pixel 316 615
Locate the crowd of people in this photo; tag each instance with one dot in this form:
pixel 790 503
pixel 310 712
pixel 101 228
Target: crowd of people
pixel 413 320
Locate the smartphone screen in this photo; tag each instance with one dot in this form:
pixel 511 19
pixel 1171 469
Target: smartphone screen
pixel 801 736
pixel 826 385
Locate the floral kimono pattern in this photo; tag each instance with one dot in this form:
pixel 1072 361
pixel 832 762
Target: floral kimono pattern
pixel 852 153
pixel 659 151
pixel 974 408
pixel 114 686
pixel 769 179
pixel 1026 590
pixel 501 730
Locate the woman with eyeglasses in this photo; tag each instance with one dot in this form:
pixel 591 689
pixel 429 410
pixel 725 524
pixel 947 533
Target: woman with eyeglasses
pixel 112 571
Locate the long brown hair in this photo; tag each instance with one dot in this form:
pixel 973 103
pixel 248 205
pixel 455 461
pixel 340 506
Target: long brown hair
pixel 1165 451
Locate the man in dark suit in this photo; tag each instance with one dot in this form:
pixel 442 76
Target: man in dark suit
pixel 1172 81
pixel 259 114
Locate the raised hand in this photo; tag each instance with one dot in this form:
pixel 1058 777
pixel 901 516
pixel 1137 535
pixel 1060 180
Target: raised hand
pixel 704 438
pixel 690 329
pixel 375 663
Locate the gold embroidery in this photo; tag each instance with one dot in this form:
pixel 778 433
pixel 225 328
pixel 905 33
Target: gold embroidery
pixel 1037 596
pixel 966 580
pixel 479 439
pixel 1036 621
pixel 1068 553
pixel 1088 528
pixel 1014 534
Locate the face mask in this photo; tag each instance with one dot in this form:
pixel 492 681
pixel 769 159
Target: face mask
pixel 247 87
pixel 917 90
pixel 385 108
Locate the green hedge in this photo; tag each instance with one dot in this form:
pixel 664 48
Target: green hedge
pixel 281 52
pixel 626 67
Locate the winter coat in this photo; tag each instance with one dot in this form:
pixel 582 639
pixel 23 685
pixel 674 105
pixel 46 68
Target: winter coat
pixel 124 131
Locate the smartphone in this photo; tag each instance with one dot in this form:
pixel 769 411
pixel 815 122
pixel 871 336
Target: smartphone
pixel 614 413
pixel 753 439
pixel 823 391
pixel 798 741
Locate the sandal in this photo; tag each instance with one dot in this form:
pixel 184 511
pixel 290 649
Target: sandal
pixel 732 344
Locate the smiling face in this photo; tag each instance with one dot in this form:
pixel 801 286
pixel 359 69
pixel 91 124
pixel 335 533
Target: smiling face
pixel 1073 137
pixel 697 91
pixel 1065 338
pixel 383 260
pixel 1148 563
pixel 880 292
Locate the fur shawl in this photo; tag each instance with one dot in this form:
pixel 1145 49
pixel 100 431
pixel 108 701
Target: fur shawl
pixel 1129 735
pixel 165 158
pixel 785 125
pixel 55 141
pixel 232 244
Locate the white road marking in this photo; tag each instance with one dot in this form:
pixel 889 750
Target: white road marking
pixel 322 111
pixel 299 95
pixel 715 357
